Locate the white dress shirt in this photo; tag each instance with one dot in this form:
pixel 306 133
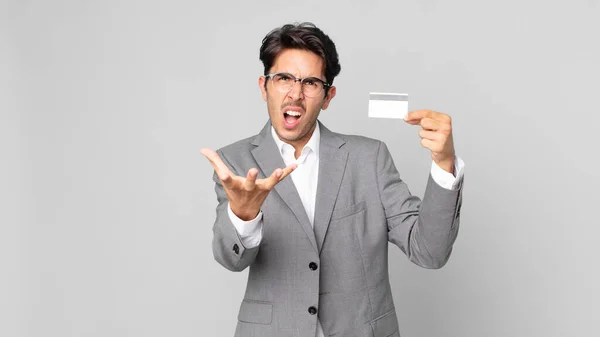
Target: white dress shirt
pixel 306 177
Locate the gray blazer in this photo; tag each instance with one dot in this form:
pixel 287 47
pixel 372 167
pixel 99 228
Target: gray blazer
pixel 339 270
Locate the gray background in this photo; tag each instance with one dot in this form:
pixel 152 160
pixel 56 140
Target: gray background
pixel 107 206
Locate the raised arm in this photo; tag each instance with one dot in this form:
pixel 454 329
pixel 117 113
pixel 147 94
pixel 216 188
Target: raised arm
pixel 245 196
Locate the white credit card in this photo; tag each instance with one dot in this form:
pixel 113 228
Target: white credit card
pixel 388 105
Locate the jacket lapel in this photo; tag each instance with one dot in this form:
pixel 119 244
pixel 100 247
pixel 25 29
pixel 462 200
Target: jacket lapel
pixel 332 164
pixel 269 159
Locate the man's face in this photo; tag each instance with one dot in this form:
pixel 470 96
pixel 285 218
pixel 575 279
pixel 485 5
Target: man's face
pixel 295 130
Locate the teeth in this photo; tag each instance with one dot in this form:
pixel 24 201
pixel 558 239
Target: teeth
pixel 293 113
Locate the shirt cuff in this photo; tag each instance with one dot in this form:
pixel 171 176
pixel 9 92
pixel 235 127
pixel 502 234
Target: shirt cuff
pixel 446 179
pixel 250 231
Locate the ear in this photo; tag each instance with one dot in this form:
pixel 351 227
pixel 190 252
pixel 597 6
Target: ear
pixel 263 90
pixel 330 96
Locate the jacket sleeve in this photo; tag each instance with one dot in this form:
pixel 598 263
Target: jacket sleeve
pixel 227 245
pixel 424 230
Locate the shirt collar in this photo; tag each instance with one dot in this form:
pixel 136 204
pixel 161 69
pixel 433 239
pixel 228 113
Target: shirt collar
pixel 313 142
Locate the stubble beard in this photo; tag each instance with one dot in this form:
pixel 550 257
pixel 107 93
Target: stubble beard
pixel 303 134
pixel 310 127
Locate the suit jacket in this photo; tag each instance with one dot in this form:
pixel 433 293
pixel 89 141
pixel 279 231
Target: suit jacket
pixel 337 272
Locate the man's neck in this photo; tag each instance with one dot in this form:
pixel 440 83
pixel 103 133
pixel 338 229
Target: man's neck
pixel 299 144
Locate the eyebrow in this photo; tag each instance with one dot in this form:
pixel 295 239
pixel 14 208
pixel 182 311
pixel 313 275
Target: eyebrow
pixel 289 72
pixel 310 76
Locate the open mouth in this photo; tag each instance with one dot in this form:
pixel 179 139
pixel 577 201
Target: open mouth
pixel 291 118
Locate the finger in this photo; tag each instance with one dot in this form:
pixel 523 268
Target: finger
pixel 431 135
pixel 414 117
pixel 413 121
pixel 220 168
pixel 250 182
pixel 277 176
pixel 430 124
pixel 271 181
pixel 427 143
pixel 436 125
pixel 287 171
pixel 432 145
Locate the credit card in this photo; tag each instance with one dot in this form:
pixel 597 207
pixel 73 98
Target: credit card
pixel 388 105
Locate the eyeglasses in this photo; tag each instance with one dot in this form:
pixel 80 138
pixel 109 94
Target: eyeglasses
pixel 284 82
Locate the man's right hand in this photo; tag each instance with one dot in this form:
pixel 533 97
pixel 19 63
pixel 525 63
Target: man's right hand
pixel 246 194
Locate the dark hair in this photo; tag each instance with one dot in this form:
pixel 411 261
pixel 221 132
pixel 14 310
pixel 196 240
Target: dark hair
pixel 305 36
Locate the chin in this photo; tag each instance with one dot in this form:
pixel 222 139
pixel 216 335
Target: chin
pixel 291 137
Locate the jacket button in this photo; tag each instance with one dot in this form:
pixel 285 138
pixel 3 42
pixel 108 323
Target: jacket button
pixel 312 310
pixel 236 248
pixel 312 266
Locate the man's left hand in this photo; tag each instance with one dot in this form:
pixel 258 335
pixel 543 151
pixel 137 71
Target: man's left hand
pixel 436 135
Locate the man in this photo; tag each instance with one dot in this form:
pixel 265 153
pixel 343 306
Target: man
pixel 317 244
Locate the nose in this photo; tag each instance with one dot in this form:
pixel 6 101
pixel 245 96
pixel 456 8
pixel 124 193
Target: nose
pixel 296 91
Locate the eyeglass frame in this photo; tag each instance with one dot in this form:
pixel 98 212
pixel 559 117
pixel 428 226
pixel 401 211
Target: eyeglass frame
pixel 326 85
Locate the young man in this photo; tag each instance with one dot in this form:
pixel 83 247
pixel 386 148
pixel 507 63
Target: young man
pixel 317 241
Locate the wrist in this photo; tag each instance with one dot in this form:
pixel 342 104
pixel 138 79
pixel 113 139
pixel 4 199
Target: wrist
pixel 447 165
pixel 244 214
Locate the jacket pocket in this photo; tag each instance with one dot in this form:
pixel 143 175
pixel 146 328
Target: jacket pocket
pixel 258 312
pixel 385 325
pixel 347 211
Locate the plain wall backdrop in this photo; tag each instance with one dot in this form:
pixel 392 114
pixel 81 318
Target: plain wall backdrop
pixel 107 206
